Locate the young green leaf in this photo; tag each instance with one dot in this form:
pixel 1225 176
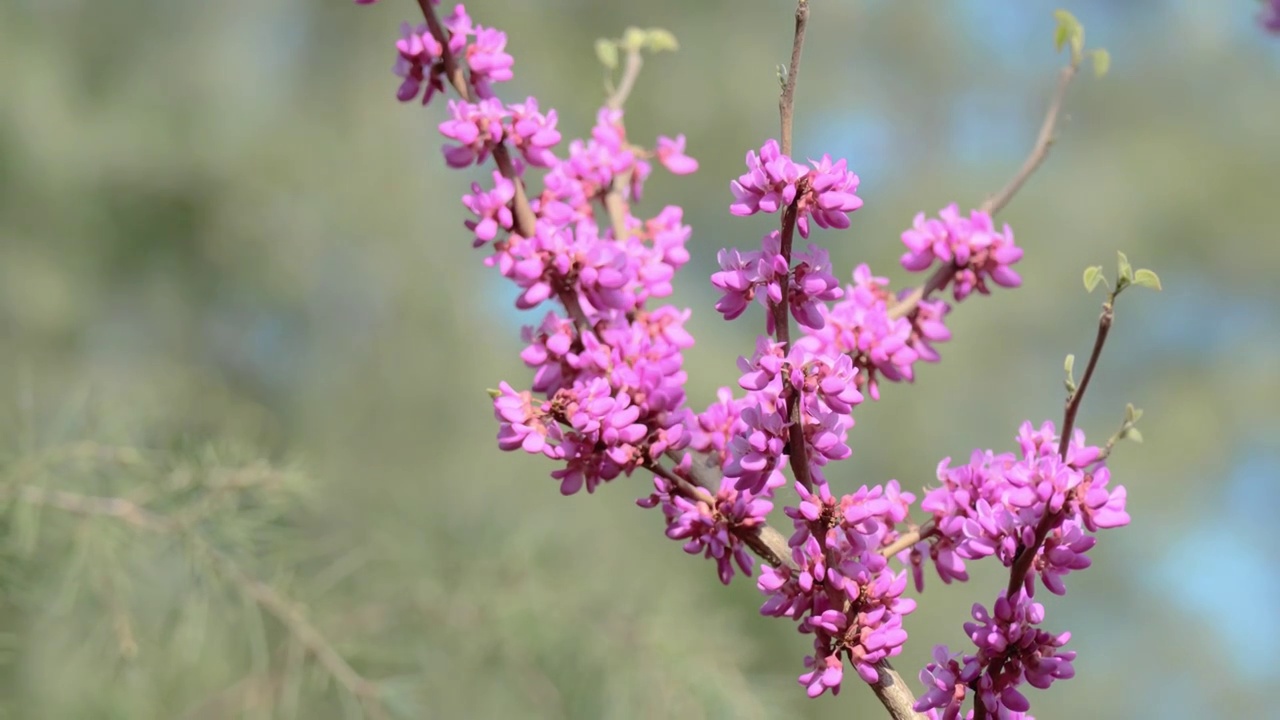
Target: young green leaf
pixel 634 38
pixel 660 40
pixel 1101 62
pixel 607 53
pixel 1131 414
pixel 1067 28
pixel 1092 276
pixel 1123 267
pixel 1147 278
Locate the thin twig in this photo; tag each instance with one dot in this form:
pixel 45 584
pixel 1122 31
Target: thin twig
pixel 786 103
pixel 797 452
pixel 630 72
pixel 997 202
pixel 1044 141
pixel 1026 555
pixel 614 203
pixel 908 539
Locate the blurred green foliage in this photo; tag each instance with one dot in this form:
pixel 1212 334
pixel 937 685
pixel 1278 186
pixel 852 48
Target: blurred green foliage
pixel 235 292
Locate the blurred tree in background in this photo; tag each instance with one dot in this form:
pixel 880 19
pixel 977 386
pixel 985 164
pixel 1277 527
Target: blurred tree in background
pixel 236 296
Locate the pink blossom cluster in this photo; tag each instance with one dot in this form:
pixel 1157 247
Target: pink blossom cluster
pixel 773 181
pixel 607 395
pixel 841 589
pixel 1011 649
pixel 997 504
pixel 882 346
pixel 421 57
pixel 607 392
pixel 709 524
pixel 971 247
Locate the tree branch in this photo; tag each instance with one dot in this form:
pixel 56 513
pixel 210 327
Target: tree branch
pixel 1026 556
pixel 630 72
pixel 786 103
pixel 995 203
pixel 1044 141
pixel 267 597
pixel 893 693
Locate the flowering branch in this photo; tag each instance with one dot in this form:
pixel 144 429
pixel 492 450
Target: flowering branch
pixel 606 403
pixel 1025 555
pixel 995 203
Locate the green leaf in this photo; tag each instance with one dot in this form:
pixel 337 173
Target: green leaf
pixel 1066 27
pixel 1101 62
pixel 1069 364
pixel 607 53
pixel 493 394
pixel 1132 414
pixel 634 38
pixel 1147 278
pixel 1069 30
pixel 1092 276
pixel 1123 267
pixel 660 40
pixel 1134 435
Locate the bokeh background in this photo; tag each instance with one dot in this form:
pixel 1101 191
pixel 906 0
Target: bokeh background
pixel 235 290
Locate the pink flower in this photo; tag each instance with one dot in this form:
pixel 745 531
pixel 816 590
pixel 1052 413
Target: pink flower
pixel 476 127
pixel 708 528
pixel 972 246
pixel 488 60
pixel 773 181
pixel 993 505
pixel 533 133
pixel 770 183
pixel 491 207
pixel 671 154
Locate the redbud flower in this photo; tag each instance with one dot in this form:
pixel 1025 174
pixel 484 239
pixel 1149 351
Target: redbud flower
pixel 709 527
pixel 971 246
pixel 488 61
pixel 1010 650
pixel 831 197
pixel 533 133
pixel 491 207
pixel 476 127
pixel 827 673
pixel 993 505
pixel 670 153
pixel 769 183
pixel 721 421
pixel 859 326
pixel 418 61
pixel 523 425
pixel 839 567
pixel 812 285
pixel 773 181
